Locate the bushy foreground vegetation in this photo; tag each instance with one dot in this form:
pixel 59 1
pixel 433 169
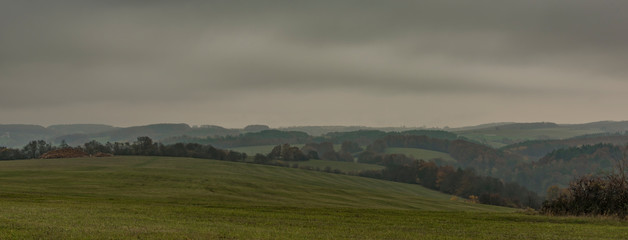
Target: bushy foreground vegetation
pixel 182 198
pixel 593 195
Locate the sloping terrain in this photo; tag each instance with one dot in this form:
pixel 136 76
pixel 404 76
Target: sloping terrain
pixel 182 198
pixel 208 182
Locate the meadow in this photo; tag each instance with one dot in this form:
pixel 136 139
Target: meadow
pixel 184 198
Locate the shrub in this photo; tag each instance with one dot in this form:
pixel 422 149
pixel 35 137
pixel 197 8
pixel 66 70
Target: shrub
pixel 592 195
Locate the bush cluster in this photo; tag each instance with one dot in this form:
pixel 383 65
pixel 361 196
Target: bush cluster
pixel 592 195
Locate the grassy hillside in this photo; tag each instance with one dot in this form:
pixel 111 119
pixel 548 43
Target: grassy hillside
pixel 342 166
pixel 178 198
pixel 418 153
pixel 208 182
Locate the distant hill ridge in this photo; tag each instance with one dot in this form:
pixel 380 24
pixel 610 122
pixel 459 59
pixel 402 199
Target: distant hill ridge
pixel 493 134
pixel 534 150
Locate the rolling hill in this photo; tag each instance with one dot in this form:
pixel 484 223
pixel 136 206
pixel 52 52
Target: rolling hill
pixel 213 182
pixel 495 135
pixel 502 135
pixel 182 198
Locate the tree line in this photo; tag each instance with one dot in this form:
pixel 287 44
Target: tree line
pixel 322 151
pixel 143 146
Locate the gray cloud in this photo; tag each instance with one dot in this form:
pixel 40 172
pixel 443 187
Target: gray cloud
pixel 236 56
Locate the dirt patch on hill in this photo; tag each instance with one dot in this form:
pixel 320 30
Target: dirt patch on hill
pixel 65 153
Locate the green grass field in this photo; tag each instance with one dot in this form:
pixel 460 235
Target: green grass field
pixel 342 166
pixel 418 153
pixel 182 198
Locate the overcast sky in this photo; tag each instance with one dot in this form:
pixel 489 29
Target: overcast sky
pixel 326 62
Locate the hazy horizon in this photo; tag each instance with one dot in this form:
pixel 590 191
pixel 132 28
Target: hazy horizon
pixel 298 126
pixel 283 63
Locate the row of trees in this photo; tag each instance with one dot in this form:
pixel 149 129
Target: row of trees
pixel 143 146
pixel 464 183
pixel 324 150
pixel 33 149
